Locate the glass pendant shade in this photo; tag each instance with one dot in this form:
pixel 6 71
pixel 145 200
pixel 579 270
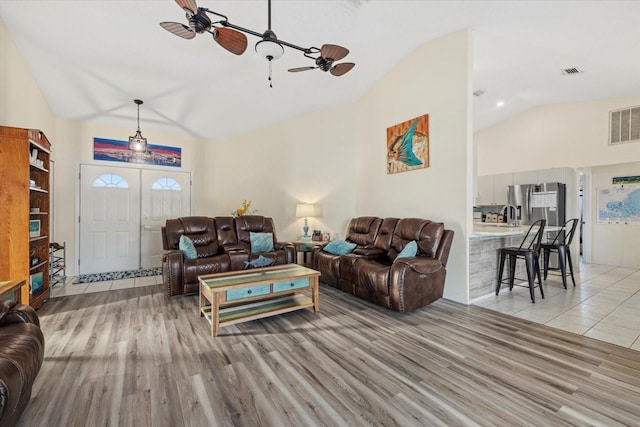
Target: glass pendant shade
pixel 138 143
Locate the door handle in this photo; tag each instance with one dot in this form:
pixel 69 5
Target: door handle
pixel 146 227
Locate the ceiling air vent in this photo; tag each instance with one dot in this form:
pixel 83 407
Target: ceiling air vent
pixel 624 125
pixel 573 70
pixel 479 92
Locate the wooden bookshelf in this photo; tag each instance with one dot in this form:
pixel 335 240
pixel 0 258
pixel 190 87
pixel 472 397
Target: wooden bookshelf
pixel 24 174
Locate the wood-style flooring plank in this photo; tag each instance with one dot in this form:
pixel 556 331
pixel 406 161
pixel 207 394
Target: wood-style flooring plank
pixel 135 357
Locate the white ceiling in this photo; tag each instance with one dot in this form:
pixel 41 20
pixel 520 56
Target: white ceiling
pixel 92 58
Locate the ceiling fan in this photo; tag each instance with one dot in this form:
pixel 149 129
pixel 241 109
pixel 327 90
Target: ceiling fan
pixel 231 37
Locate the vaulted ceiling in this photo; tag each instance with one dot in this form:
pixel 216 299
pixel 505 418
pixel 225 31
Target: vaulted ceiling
pixel 92 58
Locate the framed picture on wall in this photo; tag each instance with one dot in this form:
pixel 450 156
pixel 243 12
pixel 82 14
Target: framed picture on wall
pixel 408 145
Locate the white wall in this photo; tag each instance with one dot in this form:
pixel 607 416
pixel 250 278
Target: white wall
pixel 613 244
pixel 307 159
pixel 574 135
pixel 434 80
pixel 22 104
pixel 337 157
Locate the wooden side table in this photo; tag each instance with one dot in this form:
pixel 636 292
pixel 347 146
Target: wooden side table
pixel 306 246
pixel 8 288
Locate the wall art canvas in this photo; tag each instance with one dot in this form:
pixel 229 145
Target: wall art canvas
pixel 114 150
pixel 408 145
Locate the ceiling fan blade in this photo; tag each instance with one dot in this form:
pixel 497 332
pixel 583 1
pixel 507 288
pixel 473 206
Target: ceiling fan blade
pixel 188 5
pixel 232 40
pixel 332 51
pixel 178 29
pixel 295 70
pixel 340 69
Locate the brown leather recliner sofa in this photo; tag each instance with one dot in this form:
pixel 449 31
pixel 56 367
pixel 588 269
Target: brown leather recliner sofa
pixel 21 356
pixel 222 244
pixel 373 271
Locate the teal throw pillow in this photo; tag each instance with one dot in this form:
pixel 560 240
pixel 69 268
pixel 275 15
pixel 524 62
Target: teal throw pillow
pixel 187 248
pixel 339 247
pixel 261 242
pixel 410 250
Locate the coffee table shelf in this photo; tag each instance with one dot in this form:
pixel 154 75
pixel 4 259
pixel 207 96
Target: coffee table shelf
pixel 227 298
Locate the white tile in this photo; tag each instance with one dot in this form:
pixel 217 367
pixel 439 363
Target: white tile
pixel 569 327
pixel 72 290
pixel 145 281
pixel 98 287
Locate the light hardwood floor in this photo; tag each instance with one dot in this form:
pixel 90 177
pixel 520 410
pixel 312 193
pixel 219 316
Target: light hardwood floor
pixel 136 357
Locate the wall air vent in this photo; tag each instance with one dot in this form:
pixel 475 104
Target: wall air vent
pixel 571 71
pixel 624 125
pixel 479 92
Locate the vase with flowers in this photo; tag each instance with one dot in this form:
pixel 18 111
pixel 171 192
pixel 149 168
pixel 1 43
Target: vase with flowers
pixel 244 209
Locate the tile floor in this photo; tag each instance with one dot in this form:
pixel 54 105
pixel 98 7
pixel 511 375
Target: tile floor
pixel 605 304
pixel 84 288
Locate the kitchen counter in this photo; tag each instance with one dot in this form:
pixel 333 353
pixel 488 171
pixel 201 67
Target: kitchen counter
pixel 484 245
pixel 485 230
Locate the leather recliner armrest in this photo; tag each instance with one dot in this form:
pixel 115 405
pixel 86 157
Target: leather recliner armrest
pixel 415 282
pixel 11 312
pixel 289 249
pixel 231 248
pixel 172 271
pixel 422 265
pixel 371 253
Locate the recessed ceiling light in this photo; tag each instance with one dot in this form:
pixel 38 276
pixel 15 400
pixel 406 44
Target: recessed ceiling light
pixel 500 104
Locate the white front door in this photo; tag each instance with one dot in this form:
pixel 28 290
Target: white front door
pixel 109 219
pixel 164 195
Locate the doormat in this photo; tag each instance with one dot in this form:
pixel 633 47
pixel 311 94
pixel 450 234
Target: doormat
pixel 117 275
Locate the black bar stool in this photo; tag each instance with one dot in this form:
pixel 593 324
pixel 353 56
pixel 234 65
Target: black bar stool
pixel 529 250
pixel 561 245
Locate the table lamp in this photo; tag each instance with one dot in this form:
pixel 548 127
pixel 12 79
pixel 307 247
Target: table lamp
pixel 306 210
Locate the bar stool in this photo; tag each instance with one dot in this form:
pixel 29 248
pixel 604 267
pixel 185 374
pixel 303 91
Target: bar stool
pixel 561 245
pixel 529 250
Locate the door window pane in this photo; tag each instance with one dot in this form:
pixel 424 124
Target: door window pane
pixel 166 183
pixel 110 180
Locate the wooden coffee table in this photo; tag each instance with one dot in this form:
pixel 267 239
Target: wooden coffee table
pixel 241 296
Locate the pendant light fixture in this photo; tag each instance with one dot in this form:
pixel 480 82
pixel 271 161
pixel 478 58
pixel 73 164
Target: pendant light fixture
pixel 138 143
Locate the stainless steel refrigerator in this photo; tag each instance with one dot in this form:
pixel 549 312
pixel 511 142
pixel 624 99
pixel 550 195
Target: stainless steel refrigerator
pixel 539 201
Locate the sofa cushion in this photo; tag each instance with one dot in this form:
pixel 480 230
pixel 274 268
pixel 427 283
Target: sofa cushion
pixel 410 250
pixel 187 248
pixel 201 266
pixel 339 247
pixel 373 276
pixel 261 242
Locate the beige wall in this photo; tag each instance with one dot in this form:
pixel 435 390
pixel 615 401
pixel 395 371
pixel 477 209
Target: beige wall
pixel 307 159
pixel 574 135
pixel 434 80
pixel 22 104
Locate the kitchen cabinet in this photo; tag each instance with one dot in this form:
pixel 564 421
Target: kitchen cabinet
pixel 492 189
pixel 527 177
pixel 552 175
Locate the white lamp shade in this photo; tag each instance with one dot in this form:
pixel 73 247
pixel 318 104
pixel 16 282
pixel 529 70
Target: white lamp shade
pixel 269 48
pixel 307 210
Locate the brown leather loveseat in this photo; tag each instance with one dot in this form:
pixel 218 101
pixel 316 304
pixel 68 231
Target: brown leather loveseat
pixel 373 270
pixel 222 244
pixel 21 356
